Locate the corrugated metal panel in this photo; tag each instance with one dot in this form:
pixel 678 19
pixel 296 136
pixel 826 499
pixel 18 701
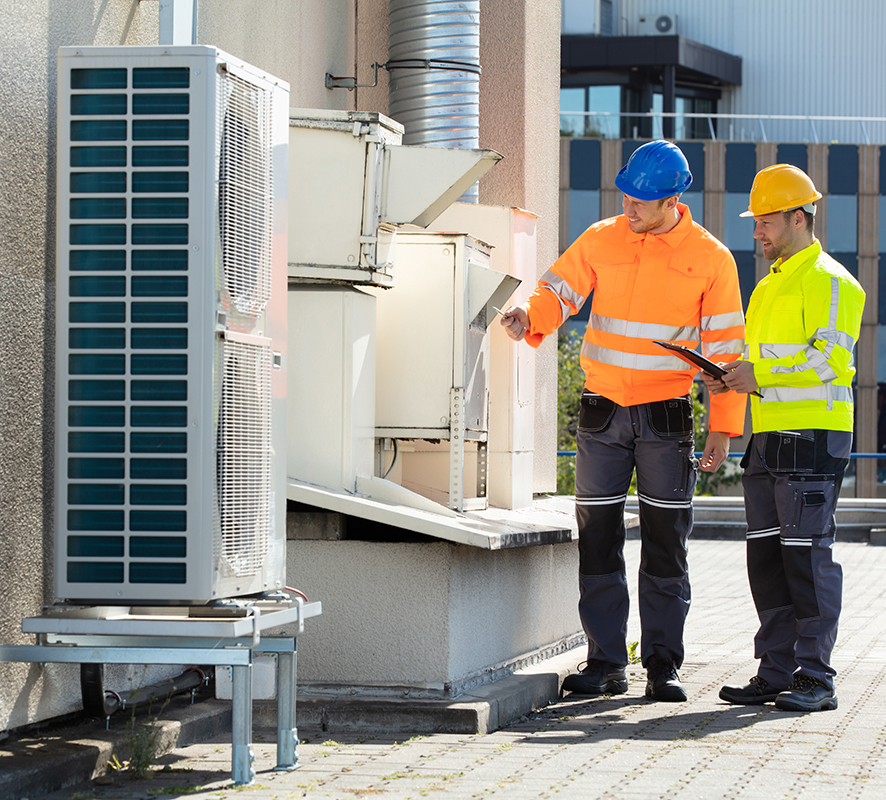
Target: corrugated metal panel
pixel 804 57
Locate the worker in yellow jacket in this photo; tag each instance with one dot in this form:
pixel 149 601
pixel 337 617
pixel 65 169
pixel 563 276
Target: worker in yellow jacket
pixel 804 319
pixel 654 275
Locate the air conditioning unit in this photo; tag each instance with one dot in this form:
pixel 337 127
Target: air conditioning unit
pixel 171 326
pixel 589 17
pixel 658 25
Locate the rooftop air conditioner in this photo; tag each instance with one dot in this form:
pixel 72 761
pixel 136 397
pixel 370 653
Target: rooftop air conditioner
pixel 658 25
pixel 171 326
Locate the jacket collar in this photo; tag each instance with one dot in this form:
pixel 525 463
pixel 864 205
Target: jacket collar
pixel 674 236
pixel 797 260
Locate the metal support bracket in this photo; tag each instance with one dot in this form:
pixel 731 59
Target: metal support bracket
pixel 482 468
pixel 338 82
pixel 456 449
pixel 77 636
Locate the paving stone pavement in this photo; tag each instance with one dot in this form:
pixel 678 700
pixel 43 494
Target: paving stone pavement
pixel 620 747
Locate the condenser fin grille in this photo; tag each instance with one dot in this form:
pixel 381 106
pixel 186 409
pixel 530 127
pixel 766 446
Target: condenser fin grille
pixel 245 193
pixel 244 455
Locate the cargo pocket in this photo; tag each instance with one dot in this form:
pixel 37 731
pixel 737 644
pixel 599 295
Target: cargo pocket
pixel 687 467
pixel 788 451
pixel 810 504
pixel 671 419
pixel 596 412
pixel 746 458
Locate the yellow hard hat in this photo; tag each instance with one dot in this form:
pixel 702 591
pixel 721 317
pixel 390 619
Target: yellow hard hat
pixel 780 188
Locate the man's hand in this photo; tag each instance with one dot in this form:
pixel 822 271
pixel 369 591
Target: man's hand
pixel 515 322
pixel 740 377
pixel 714 385
pixel 716 449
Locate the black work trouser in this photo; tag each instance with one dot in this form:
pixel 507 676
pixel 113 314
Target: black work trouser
pixel 791 483
pixel 656 439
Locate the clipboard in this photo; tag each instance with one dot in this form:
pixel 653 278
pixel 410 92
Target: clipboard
pixel 696 359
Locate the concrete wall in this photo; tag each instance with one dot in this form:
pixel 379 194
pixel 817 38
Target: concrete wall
pixel 434 617
pixel 31 33
pixel 297 40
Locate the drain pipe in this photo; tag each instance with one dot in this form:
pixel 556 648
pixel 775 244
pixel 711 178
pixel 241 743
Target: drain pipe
pixel 101 702
pixel 434 68
pixel 177 22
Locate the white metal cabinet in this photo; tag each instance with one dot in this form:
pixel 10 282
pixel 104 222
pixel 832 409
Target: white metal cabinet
pixel 352 183
pixel 433 349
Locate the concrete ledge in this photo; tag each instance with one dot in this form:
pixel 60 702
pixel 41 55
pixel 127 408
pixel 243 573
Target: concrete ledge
pixel 57 757
pixel 878 537
pixel 483 710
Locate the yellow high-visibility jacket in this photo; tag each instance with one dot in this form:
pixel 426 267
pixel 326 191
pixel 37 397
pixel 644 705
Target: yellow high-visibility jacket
pixel 803 322
pixel 680 286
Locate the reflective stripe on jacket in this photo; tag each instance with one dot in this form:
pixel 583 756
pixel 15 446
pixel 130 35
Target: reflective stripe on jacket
pixel 803 322
pixel 680 286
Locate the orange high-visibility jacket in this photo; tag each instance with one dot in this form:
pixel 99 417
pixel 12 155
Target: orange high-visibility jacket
pixel 680 286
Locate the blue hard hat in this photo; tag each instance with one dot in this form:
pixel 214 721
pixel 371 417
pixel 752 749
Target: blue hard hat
pixel 655 170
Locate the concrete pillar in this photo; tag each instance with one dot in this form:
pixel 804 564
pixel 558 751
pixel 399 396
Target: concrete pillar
pixel 565 149
pixel 610 163
pixel 519 117
pixel 817 169
pixel 866 402
pixel 715 188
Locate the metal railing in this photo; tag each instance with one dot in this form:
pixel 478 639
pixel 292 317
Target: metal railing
pixel 612 130
pixel 572 453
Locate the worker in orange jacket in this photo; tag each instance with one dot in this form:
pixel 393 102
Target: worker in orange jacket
pixel 654 274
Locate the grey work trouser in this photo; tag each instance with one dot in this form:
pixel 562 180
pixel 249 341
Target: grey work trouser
pixel 657 439
pixel 791 483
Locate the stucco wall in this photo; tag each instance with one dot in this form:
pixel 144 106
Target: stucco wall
pixel 297 41
pixel 31 33
pixel 429 615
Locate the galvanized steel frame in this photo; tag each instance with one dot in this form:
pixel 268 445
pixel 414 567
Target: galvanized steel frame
pixel 204 646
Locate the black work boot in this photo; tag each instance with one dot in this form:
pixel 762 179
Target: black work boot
pixel 596 678
pixel 662 681
pixel 806 694
pixel 755 693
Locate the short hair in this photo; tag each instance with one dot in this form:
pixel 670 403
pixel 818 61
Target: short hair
pixel 810 218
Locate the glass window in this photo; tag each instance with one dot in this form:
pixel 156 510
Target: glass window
pixel 603 103
pixel 572 101
pixel 606 101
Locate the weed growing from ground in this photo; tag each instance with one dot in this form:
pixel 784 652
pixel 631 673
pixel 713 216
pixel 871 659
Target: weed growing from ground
pixel 144 744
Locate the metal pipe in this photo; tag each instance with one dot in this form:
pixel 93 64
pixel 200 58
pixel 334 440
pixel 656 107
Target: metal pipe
pixel 437 106
pixel 99 702
pixel 177 22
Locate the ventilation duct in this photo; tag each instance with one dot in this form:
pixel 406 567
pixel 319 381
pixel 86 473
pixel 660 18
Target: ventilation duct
pixel 434 67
